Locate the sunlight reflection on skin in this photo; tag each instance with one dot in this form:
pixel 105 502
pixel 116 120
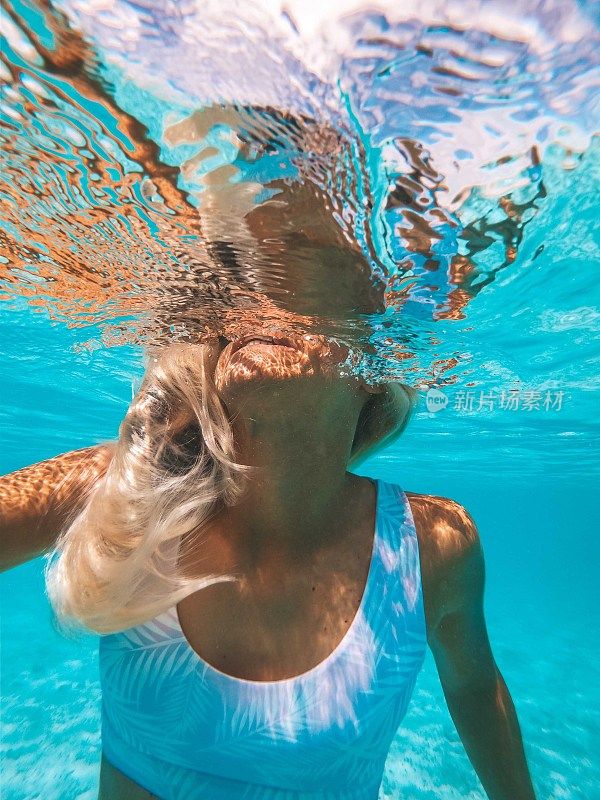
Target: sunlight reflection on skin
pixel 308 356
pixel 37 500
pixel 317 705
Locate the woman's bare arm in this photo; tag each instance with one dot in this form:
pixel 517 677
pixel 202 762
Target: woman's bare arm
pixel 37 501
pixel 477 697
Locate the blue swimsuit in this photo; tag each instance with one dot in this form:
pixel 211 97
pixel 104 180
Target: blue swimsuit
pixel 183 730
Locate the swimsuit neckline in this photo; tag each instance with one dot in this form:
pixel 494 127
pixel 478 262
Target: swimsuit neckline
pixel 335 653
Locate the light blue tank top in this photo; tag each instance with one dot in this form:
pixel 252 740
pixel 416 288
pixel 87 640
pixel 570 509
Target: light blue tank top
pixel 183 730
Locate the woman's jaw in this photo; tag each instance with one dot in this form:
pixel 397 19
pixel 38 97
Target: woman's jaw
pixel 289 383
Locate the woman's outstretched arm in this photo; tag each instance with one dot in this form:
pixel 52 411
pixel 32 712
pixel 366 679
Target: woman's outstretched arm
pixel 37 501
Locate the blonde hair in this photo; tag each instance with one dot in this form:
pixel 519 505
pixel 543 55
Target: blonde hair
pixel 116 565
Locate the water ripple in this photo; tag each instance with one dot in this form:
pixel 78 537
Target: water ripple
pixel 417 180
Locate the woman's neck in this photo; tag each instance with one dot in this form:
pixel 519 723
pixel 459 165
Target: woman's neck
pixel 298 495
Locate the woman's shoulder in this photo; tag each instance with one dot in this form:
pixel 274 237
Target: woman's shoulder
pixel 452 565
pixel 446 532
pixel 435 511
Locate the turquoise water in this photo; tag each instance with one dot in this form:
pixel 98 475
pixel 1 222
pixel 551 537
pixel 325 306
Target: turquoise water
pixel 539 531
pixel 87 274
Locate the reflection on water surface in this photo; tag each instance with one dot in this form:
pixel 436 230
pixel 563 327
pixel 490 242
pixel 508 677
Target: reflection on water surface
pixel 406 180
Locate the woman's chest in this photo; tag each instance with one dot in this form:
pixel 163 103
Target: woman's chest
pixel 294 631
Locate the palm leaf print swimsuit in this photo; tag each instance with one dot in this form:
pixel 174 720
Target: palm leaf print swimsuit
pixel 183 730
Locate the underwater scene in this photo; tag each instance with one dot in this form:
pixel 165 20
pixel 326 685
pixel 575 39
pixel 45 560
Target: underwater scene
pixel 416 181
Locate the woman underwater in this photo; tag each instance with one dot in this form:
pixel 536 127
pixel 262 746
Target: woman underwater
pixel 265 611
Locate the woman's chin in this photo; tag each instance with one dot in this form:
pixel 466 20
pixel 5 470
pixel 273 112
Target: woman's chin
pixel 263 362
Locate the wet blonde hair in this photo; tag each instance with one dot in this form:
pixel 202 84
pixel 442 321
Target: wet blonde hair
pixel 116 565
